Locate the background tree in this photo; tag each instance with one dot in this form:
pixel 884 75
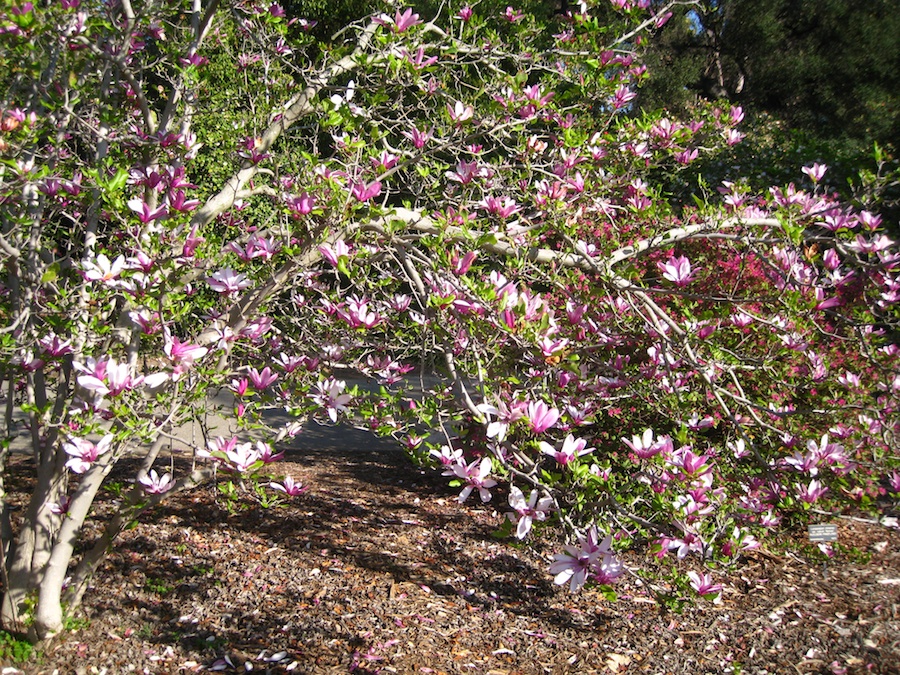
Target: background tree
pixel 830 67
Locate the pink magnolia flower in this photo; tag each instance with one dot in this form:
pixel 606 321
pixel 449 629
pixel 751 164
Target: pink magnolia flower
pixel 622 97
pixel 419 61
pixel 689 542
pixel 502 207
pixel 239 387
pixel 733 137
pixel 462 265
pixel 418 137
pixel 61 507
pixel 331 397
pixel 140 261
pixel 815 172
pixel 645 447
pixel 115 378
pixel 677 270
pixel 703 584
pixel 688 462
pixel 874 245
pixel 400 302
pixel 894 481
pixel 262 380
pixel 52 345
pixel 527 512
pixel 83 453
pixel 571 449
pixel 242 457
pixel 465 13
pixel 182 354
pixel 512 15
pixel 156 485
pixel 447 456
pixel 384 161
pixel 541 416
pixel 357 313
pixel 741 319
pixel 550 345
pixel 460 112
pixel 588 558
pixel 363 193
pixel 144 213
pixel 405 21
pixel 228 282
pixel 267 453
pixel 102 269
pixel 289 487
pixel 191 243
pixel 177 201
pixel 810 493
pixel 466 172
pixel 259 247
pixel 333 253
pixel 476 477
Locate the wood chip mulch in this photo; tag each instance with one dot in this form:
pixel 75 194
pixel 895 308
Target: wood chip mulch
pixel 376 569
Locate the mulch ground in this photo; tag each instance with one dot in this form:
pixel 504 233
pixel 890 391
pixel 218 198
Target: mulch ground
pixel 377 570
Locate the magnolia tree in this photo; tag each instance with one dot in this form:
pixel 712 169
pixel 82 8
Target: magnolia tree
pixel 464 210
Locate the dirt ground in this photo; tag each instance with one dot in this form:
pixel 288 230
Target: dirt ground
pixel 376 569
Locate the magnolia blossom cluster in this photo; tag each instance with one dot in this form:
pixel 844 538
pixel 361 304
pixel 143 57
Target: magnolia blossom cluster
pixel 590 560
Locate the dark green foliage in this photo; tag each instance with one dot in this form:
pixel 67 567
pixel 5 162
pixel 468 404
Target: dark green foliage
pixel 827 66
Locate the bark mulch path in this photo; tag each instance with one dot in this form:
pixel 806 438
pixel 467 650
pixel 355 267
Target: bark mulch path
pixel 377 570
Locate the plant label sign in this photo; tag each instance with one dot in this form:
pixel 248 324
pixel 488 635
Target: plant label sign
pixel 823 533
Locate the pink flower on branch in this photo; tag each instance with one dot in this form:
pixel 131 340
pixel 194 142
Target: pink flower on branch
pixel 588 559
pixel 526 512
pixel 228 282
pixel 242 457
pixel 622 98
pixel 812 492
pixel 703 584
pixel 447 456
pixel 101 269
pixel 144 213
pixel 262 380
pixel 363 193
pixel 154 484
pixel 177 201
pixel 460 112
pixel 645 446
pixel 677 270
pixel 815 172
pixel 476 477
pixel 83 453
pixel 571 449
pixel 418 137
pixel 330 395
pixel 503 207
pixel 512 15
pixel 405 21
pixel 289 487
pixel 334 252
pixel 114 378
pixel 182 354
pixel 541 416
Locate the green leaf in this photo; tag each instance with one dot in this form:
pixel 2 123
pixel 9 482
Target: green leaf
pixel 117 182
pixel 51 274
pixel 608 593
